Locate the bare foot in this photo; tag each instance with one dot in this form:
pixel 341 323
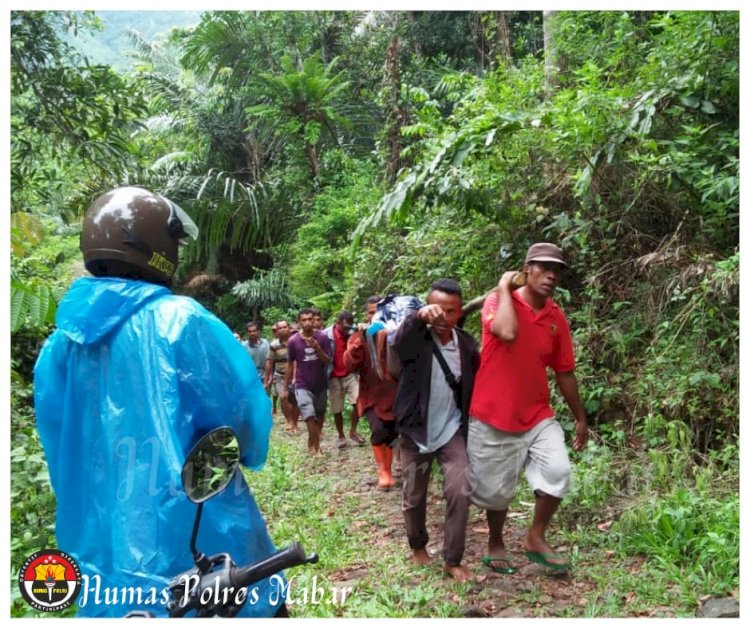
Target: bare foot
pixel 459 572
pixel 421 557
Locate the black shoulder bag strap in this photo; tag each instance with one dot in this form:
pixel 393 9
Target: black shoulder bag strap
pixel 449 376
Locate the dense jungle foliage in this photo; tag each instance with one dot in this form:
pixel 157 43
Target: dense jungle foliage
pixel 329 156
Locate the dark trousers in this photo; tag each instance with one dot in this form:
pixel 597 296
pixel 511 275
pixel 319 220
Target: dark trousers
pixel 454 466
pixel 381 432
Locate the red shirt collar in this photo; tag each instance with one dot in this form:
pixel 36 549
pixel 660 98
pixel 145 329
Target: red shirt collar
pixel 548 306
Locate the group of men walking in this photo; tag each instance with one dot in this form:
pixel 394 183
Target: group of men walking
pixel 303 367
pixel 104 411
pixel 484 417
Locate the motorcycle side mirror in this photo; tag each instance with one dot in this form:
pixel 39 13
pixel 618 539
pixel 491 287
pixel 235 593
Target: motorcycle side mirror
pixel 211 465
pixel 208 469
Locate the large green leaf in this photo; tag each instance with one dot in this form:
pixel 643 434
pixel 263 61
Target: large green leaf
pixel 31 306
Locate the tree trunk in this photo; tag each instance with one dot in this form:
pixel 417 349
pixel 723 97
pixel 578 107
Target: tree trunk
pixel 480 40
pixel 212 264
pixel 413 20
pixel 396 114
pixel 320 28
pixel 254 151
pixel 504 49
pixel 551 61
pixel 312 157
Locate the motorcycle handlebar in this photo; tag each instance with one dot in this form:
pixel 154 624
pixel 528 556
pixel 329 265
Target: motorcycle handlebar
pixel 226 576
pixel 290 556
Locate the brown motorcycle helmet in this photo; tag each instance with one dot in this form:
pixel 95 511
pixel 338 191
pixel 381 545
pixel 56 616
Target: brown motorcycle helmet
pixel 131 232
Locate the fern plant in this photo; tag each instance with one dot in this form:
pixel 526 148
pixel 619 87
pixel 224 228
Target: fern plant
pixel 31 305
pixel 31 301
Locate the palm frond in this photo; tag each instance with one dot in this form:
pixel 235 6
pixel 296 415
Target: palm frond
pixel 268 289
pixel 167 163
pixel 143 47
pixel 163 123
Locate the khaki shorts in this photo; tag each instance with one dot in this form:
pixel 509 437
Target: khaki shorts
pixel 496 459
pixel 340 388
pixel 277 383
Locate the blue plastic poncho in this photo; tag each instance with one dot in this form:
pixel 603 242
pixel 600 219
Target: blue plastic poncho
pixel 125 386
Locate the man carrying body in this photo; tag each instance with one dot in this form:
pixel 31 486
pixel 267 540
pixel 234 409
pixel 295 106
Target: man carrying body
pixel 366 353
pixel 513 425
pixel 432 417
pixel 257 347
pixel 394 456
pixel 342 384
pixel 276 367
pixel 309 353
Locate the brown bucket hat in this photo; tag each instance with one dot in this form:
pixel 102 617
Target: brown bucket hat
pixel 545 252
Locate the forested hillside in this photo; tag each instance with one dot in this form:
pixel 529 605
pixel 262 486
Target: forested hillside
pixel 329 156
pixel 111 41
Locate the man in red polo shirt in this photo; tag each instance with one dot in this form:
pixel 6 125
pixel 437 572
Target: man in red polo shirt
pixel 513 426
pixel 342 385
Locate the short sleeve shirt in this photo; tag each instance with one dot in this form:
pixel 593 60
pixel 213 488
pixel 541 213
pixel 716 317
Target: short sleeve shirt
pixel 277 353
pixel 258 354
pixel 311 373
pixel 511 390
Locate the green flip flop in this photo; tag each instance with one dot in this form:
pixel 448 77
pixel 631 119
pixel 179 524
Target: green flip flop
pixel 542 558
pixel 488 560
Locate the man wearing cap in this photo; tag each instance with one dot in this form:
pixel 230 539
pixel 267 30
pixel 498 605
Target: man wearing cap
pixel 512 424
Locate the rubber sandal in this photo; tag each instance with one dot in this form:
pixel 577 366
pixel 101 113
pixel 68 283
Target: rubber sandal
pixel 357 439
pixel 542 559
pixel 341 443
pixel 488 560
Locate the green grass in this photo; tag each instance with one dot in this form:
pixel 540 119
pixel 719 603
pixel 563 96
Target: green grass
pixel 633 568
pixel 664 551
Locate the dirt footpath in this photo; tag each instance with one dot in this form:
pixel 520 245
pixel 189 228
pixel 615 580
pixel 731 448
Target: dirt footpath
pixel 530 592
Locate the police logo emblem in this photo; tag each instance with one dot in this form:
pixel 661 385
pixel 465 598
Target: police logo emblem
pixel 49 580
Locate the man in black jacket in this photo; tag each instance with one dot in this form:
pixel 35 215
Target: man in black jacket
pixel 438 364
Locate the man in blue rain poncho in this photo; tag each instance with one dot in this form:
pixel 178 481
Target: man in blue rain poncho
pixel 124 387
